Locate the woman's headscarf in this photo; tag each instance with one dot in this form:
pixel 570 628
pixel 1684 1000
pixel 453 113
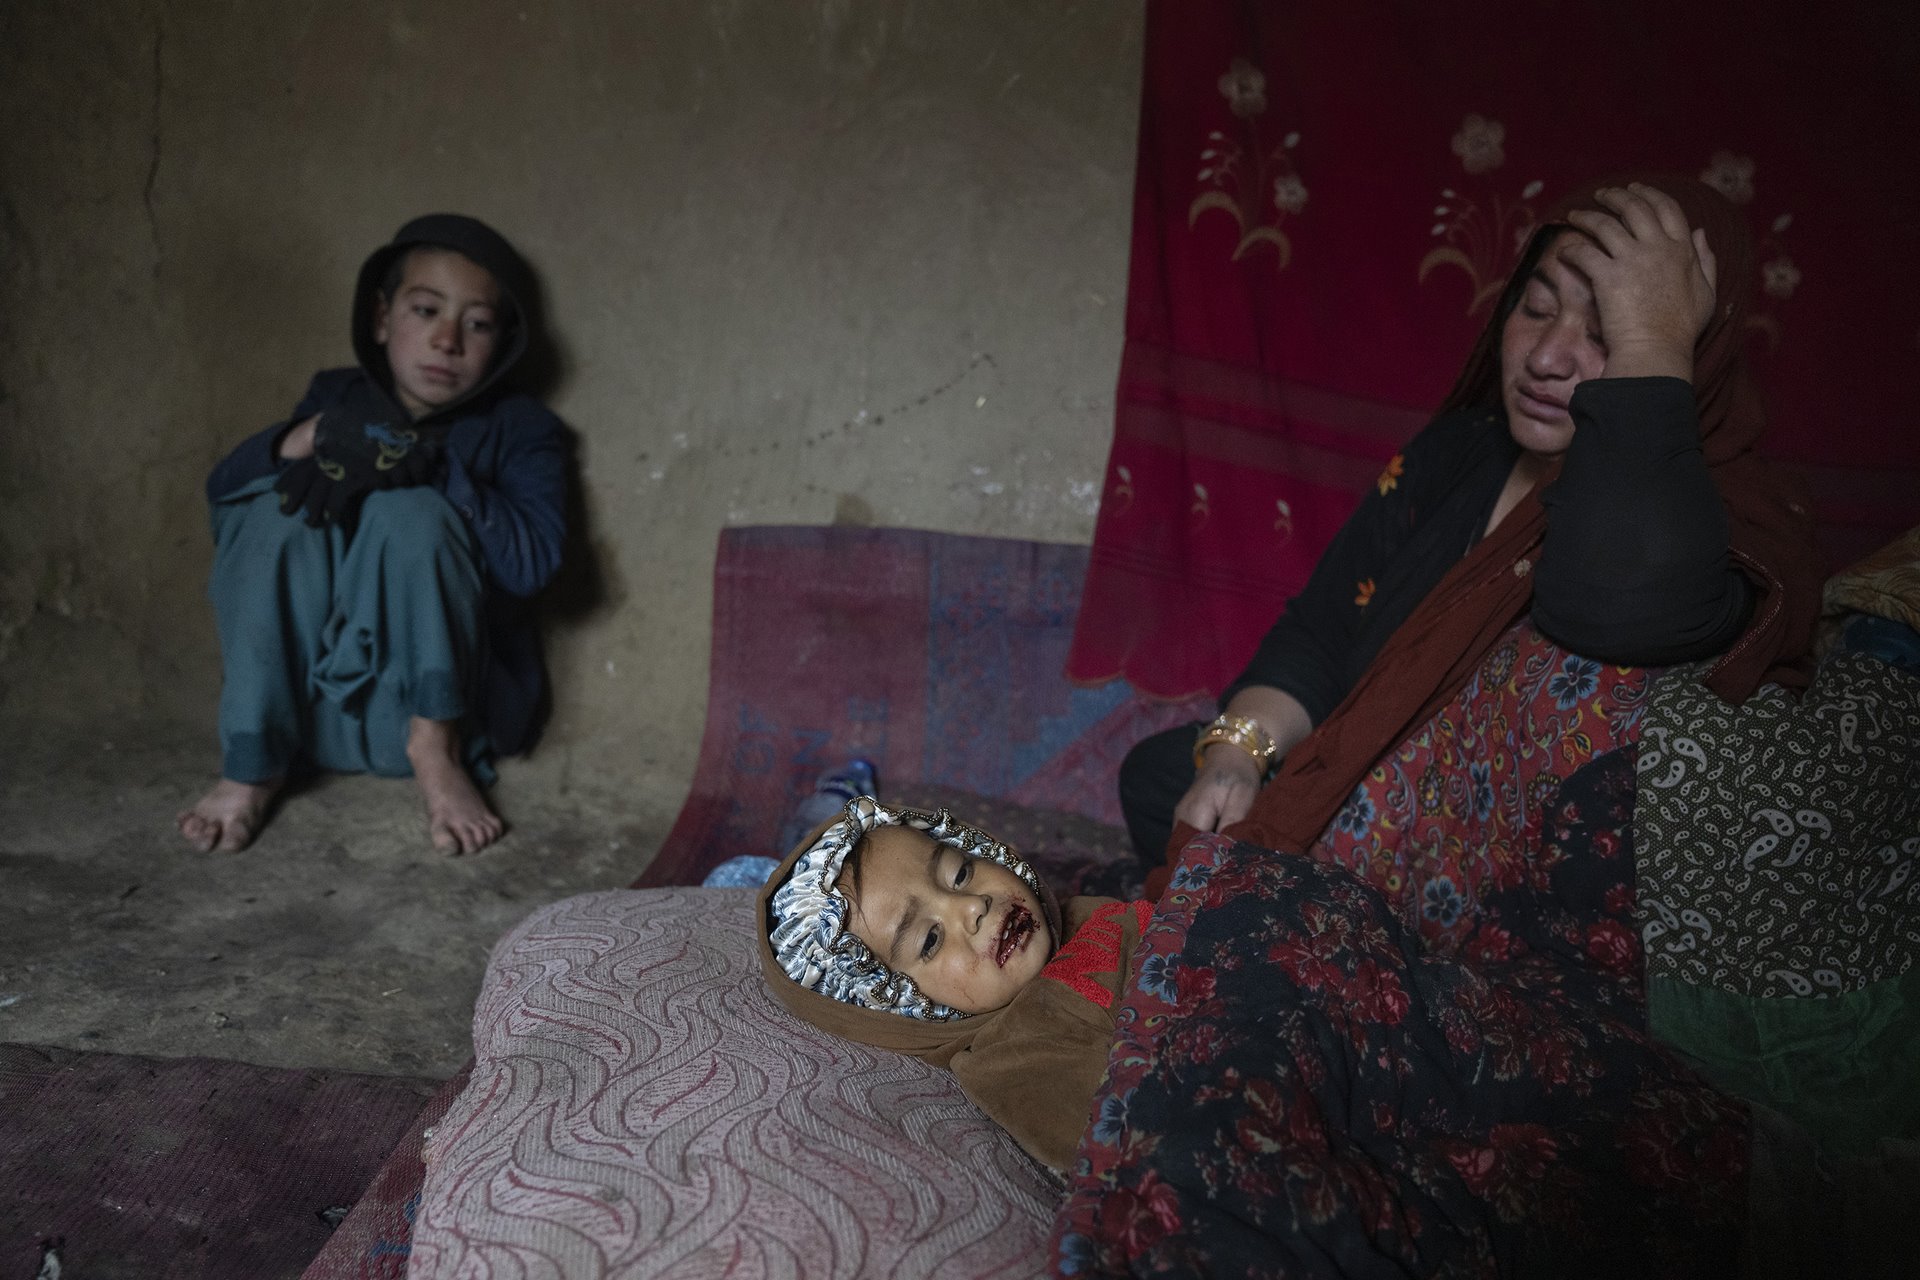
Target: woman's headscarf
pixel 1429 658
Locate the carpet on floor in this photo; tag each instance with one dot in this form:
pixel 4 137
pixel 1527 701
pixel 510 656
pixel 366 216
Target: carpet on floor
pixel 155 1168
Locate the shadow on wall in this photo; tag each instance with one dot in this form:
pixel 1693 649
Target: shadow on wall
pixel 586 581
pixel 583 584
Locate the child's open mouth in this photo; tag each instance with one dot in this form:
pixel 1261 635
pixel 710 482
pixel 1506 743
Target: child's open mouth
pixel 1015 929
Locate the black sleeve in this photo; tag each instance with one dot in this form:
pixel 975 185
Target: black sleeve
pixel 1634 566
pixel 255 456
pixel 1309 652
pixel 519 513
pixel 250 459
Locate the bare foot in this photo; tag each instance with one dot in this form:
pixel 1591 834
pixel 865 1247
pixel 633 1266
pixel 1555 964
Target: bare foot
pixel 458 819
pixel 227 817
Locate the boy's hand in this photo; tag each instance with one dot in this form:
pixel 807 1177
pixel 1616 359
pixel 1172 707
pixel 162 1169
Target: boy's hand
pixel 298 442
pixel 307 491
pixel 360 445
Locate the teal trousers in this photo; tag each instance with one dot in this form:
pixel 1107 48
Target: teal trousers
pixel 330 644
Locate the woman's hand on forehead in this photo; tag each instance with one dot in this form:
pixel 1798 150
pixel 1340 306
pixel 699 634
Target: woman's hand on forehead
pixel 1653 279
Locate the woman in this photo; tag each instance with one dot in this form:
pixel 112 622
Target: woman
pixel 1419 1046
pixel 1601 435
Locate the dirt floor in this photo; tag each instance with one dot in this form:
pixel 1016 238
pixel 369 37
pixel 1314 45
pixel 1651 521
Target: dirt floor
pixel 340 939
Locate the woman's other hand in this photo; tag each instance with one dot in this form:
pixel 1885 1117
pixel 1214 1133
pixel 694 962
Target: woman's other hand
pixel 1653 280
pixel 1230 778
pixel 298 442
pixel 1223 791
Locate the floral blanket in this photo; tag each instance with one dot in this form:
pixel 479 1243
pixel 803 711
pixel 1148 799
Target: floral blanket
pixel 1422 1048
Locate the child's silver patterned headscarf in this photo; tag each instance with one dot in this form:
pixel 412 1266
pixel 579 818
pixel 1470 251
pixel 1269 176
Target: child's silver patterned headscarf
pixel 809 927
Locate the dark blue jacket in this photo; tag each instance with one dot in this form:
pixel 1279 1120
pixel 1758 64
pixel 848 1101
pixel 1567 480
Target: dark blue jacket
pixel 506 474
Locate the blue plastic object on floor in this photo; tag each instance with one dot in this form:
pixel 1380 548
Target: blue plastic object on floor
pixel 748 871
pixel 831 791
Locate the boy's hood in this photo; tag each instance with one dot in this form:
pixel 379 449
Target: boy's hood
pixel 476 240
pixel 937 1042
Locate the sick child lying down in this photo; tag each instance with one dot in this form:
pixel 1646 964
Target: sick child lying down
pixel 914 932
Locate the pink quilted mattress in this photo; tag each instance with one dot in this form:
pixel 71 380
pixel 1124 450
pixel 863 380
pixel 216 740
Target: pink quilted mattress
pixel 640 1106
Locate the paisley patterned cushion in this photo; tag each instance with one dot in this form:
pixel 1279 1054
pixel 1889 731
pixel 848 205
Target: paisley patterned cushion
pixel 640 1106
pixel 1779 841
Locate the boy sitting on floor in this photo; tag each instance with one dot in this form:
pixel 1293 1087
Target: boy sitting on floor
pixel 373 551
pixel 913 932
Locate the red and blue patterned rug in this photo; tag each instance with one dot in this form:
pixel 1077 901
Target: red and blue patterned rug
pixel 939 657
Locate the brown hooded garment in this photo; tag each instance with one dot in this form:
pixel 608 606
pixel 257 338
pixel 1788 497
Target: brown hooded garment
pixel 1032 1066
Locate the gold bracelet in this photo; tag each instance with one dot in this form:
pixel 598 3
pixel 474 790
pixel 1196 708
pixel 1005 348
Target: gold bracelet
pixel 1243 732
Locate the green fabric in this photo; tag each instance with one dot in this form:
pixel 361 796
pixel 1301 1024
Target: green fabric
pixel 1846 1068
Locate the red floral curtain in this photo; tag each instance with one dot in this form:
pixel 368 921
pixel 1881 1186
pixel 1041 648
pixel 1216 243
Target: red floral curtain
pixel 1328 198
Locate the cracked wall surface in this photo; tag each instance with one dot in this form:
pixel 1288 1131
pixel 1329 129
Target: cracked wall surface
pixel 803 262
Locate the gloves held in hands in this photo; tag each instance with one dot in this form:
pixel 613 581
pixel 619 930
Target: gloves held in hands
pixel 359 445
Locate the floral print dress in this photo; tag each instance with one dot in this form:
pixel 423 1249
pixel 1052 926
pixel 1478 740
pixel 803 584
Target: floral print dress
pixel 1421 1048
